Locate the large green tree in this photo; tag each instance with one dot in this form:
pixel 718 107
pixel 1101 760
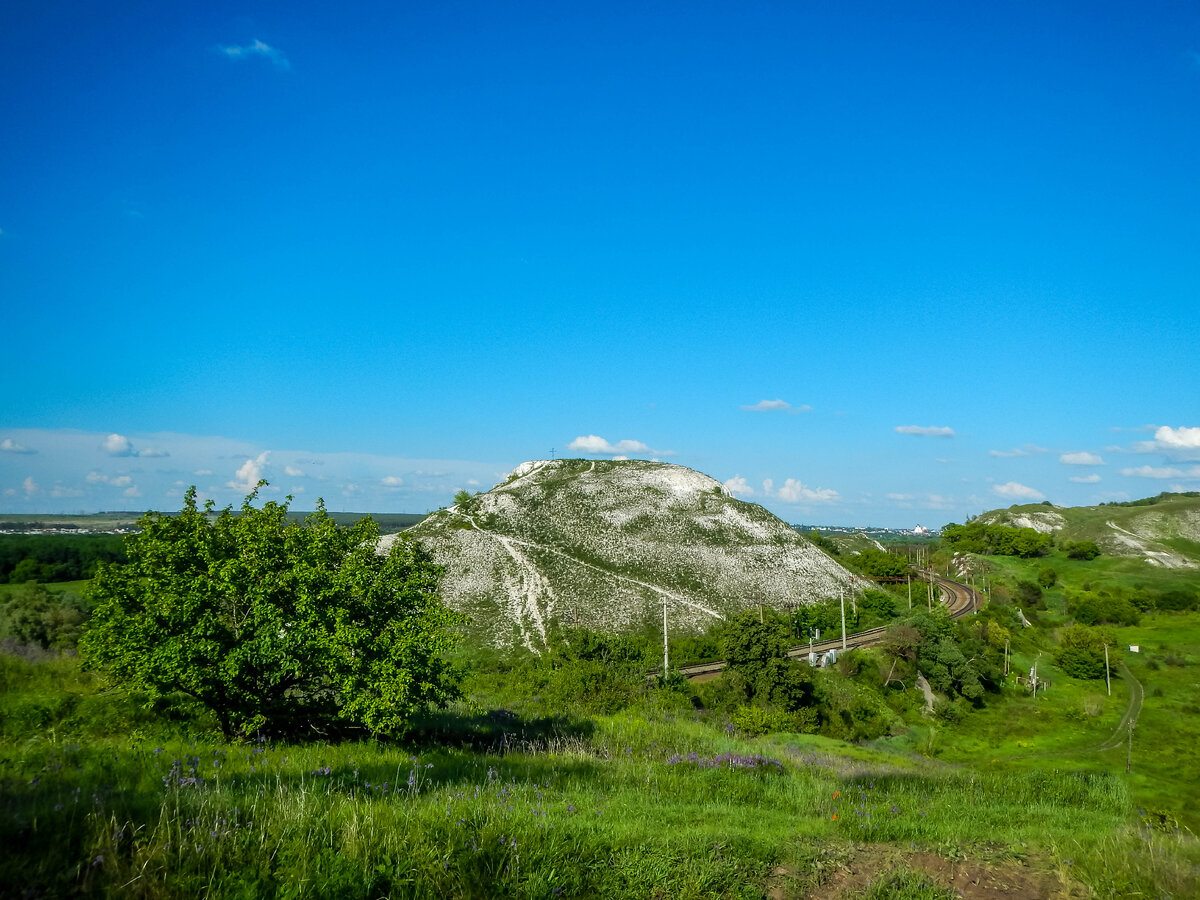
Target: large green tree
pixel 275 625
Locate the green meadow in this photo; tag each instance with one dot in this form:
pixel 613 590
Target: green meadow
pixel 596 787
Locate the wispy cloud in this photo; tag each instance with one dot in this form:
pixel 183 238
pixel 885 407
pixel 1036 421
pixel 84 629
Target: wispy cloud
pixel 1161 472
pixel 1023 450
pixel 1014 491
pixel 293 472
pixel 256 49
pixel 1085 479
pixel 939 431
pixel 777 406
pixel 1081 458
pixel 391 481
pixel 29 486
pixel 596 445
pixel 8 445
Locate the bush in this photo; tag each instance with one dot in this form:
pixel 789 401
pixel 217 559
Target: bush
pixel 1177 600
pixel 1047 577
pixel 1086 550
pixel 758 720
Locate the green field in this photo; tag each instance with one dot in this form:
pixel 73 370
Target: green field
pixel 98 796
pixel 527 789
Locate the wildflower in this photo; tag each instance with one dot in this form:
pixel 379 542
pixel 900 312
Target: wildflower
pixel 836 794
pixel 834 817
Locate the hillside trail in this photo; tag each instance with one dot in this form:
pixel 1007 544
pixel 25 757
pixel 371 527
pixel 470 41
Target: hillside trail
pixel 1137 695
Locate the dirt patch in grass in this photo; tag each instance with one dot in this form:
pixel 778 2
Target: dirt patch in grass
pixel 967 879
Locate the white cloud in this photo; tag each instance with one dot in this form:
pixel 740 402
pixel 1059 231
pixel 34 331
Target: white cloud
pixel 120 481
pixel 794 491
pixel 1081 458
pixel 1185 438
pixel 248 476
pixel 8 445
pixel 153 453
pixel 118 445
pixel 1161 472
pixel 739 487
pixel 96 478
pixel 293 472
pixel 1015 491
pixel 29 486
pixel 940 431
pixel 256 49
pixel 595 444
pixel 202 472
pixel 132 491
pixel 391 481
pixel 777 406
pixel 1085 479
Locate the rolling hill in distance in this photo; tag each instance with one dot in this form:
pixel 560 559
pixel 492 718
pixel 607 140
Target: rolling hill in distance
pixel 1164 531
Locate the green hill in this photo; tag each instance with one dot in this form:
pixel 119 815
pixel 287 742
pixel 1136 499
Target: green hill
pixel 608 544
pixel 1164 531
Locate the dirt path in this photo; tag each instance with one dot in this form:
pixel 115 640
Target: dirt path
pixel 1137 695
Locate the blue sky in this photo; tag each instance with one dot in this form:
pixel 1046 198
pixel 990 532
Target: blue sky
pixel 879 263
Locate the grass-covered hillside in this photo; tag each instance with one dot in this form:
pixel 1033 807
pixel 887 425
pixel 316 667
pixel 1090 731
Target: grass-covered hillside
pixel 605 544
pixel 1163 531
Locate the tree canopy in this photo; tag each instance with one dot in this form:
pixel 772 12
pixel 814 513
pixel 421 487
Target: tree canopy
pixel 275 625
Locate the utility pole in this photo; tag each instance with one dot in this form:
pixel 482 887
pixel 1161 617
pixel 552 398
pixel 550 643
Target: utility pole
pixel 1107 675
pixel 1006 656
pixel 1129 750
pixel 842 597
pixel 910 592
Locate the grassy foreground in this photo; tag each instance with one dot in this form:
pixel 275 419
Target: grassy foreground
pixel 97 798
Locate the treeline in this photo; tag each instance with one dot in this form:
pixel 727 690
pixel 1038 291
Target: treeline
pixel 997 540
pixel 56 557
pixel 1151 501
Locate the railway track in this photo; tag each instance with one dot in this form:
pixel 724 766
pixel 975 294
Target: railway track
pixel 960 599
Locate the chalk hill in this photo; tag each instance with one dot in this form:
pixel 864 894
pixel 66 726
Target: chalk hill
pixel 604 544
pixel 1162 530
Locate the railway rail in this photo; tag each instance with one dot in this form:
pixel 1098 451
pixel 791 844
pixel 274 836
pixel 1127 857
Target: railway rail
pixel 959 598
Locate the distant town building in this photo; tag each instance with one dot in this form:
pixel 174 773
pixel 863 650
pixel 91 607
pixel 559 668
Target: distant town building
pixel 920 529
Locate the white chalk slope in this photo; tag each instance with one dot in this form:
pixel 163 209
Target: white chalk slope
pixel 605 544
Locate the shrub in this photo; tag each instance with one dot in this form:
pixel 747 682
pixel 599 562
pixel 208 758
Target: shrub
pixel 1086 550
